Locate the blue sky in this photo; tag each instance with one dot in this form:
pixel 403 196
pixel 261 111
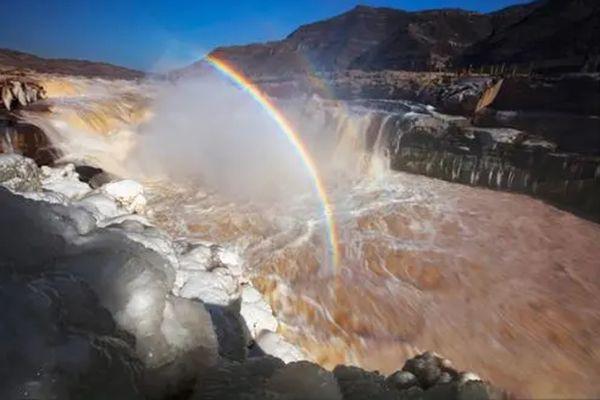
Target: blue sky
pixel 157 35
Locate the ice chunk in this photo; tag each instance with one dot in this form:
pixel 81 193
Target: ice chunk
pixel 256 312
pixel 101 206
pixel 64 180
pixel 217 287
pixel 273 344
pixel 128 193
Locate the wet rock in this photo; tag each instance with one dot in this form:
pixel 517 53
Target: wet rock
pixel 87 172
pixel 102 179
pixel 304 380
pixel 358 384
pixel 402 380
pixel 571 132
pixel 21 137
pixel 234 380
pixel 445 378
pixel 426 368
pixel 413 393
pixel 473 390
pixel 18 91
pixel 497 158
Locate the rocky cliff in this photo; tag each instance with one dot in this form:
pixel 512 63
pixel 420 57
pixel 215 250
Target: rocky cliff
pixel 556 35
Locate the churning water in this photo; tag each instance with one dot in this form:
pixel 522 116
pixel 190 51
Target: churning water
pixel 499 283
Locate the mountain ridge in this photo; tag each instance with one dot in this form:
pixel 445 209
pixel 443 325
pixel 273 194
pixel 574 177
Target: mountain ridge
pixel 382 38
pixel 65 66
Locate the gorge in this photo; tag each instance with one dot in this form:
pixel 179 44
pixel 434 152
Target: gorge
pixel 169 234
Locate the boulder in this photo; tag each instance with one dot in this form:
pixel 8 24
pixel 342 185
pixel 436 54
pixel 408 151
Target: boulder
pixel 19 173
pixel 426 368
pixel 402 380
pixel 303 380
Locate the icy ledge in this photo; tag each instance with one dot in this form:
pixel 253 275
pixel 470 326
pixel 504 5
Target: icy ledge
pixel 98 303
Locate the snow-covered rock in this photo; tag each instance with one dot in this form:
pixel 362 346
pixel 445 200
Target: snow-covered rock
pixel 131 282
pixel 19 173
pixel 217 287
pixel 101 206
pixel 64 180
pixel 128 193
pixel 148 236
pixel 257 314
pixel 199 257
pixel 230 259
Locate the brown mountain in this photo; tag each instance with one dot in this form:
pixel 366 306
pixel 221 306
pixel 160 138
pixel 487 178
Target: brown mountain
pixel 15 59
pixel 437 39
pixel 332 44
pixel 370 38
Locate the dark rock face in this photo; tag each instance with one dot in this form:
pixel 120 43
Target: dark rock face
pixel 427 40
pixel 557 35
pixel 570 132
pixel 26 139
pixel 498 158
pixel 569 94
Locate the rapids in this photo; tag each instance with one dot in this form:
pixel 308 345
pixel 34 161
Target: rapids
pixel 500 283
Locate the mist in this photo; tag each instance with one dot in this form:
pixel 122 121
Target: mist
pixel 210 132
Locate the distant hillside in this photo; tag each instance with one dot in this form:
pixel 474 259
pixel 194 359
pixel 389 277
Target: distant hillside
pixel 17 59
pixel 370 38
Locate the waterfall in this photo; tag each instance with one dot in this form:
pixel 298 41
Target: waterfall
pixel 380 155
pixel 7 144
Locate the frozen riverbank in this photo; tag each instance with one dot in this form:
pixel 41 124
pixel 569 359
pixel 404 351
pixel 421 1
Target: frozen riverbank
pixel 99 303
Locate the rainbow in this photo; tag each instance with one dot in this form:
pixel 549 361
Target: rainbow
pixel 261 98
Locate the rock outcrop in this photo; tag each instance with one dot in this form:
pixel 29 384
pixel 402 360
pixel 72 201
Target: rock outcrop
pixel 555 36
pixel 498 158
pixel 19 92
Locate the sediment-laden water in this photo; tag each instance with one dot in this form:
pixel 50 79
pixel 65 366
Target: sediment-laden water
pixel 500 283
